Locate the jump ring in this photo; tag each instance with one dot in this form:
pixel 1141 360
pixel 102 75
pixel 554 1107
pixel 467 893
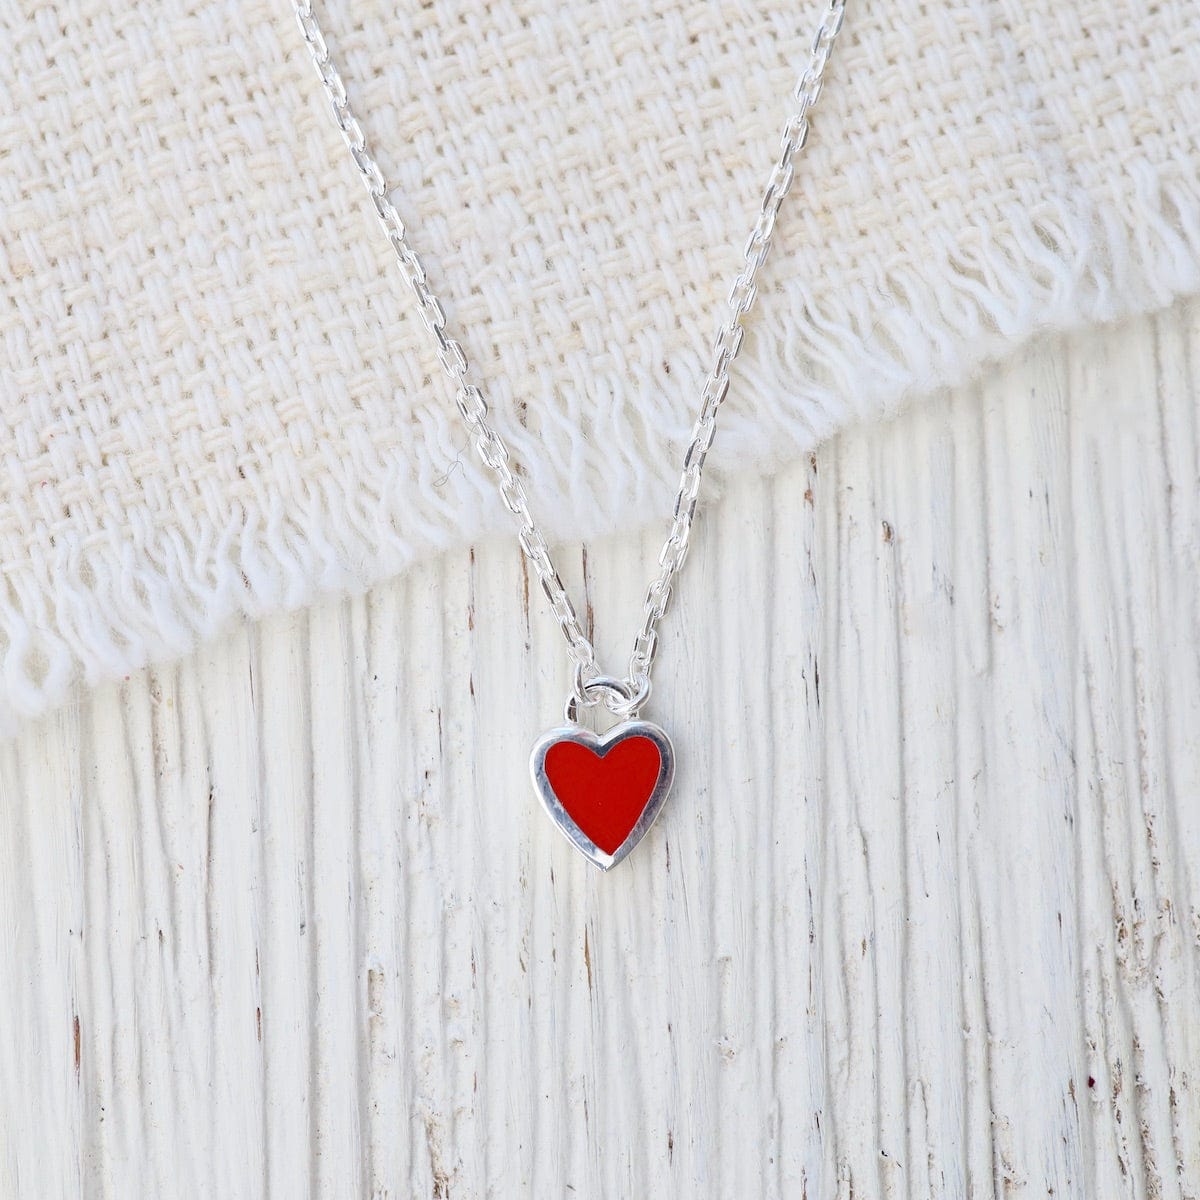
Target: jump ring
pixel 613 691
pixel 622 697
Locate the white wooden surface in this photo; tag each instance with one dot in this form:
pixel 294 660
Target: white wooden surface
pixel 921 919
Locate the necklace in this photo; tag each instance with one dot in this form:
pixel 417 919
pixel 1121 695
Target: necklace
pixel 603 791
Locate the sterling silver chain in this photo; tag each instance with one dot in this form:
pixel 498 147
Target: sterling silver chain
pixel 623 696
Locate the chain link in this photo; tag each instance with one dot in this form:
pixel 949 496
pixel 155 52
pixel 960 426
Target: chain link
pixel 473 407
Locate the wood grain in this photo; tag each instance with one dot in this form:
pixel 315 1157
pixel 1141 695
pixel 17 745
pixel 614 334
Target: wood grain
pixel 922 918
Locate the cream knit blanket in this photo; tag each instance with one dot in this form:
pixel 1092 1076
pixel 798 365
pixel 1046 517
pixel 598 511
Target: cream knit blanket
pixel 214 397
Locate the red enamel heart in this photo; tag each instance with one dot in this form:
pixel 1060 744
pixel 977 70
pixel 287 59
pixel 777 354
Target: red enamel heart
pixel 604 792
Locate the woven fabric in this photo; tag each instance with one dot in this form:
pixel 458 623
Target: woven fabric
pixel 215 398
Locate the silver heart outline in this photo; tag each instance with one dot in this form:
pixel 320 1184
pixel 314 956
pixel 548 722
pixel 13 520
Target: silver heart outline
pixel 601 744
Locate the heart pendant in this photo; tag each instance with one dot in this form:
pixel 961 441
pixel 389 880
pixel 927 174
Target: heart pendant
pixel 603 790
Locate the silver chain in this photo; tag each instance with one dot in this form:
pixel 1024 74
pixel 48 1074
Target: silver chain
pixel 623 696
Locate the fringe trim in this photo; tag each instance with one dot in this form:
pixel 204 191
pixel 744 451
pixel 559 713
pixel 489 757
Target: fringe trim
pixel 99 609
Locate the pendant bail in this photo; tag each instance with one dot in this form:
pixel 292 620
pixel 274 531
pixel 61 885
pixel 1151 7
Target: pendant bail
pixel 622 697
